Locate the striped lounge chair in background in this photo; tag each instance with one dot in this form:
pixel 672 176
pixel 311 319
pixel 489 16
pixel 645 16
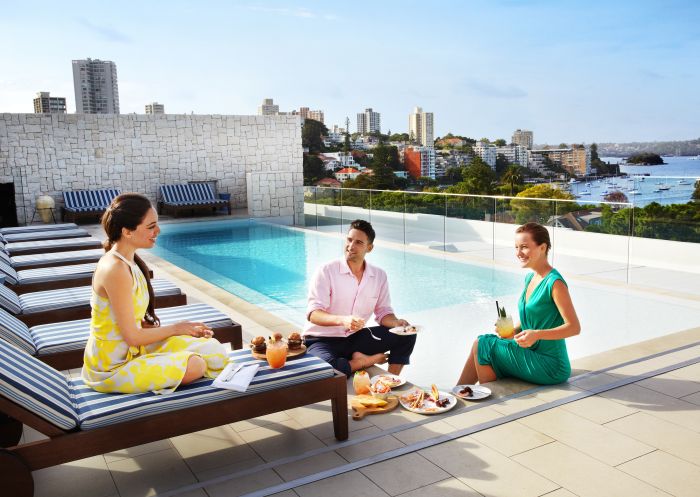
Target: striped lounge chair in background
pixel 50 259
pixel 37 227
pixel 188 197
pixel 43 235
pixel 47 278
pixel 66 304
pixel 89 203
pixel 62 344
pixel 80 422
pixel 44 246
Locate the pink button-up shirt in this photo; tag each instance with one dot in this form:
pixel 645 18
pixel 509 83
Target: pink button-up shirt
pixel 335 289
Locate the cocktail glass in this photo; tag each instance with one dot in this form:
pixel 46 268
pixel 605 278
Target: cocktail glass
pixel 504 326
pixel 276 354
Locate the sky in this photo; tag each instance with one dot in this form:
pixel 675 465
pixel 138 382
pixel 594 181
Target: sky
pixel 570 71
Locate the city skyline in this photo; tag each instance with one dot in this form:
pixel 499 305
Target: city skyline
pixel 569 72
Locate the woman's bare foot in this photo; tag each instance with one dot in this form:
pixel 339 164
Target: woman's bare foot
pixel 363 361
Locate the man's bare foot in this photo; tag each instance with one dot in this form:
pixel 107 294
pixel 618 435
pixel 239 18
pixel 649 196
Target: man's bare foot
pixel 363 361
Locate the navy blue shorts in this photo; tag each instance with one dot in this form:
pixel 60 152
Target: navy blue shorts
pixel 338 351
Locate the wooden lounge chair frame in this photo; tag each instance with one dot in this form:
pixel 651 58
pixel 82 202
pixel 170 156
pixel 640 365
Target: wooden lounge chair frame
pixel 89 210
pixel 18 461
pixel 55 284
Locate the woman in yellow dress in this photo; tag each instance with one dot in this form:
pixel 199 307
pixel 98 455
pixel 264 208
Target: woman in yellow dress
pixel 128 351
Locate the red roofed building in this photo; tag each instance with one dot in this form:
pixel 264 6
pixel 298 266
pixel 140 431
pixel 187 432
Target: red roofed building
pixel 330 182
pixel 347 173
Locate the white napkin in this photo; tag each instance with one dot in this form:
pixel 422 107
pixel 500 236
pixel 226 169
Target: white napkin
pixel 240 380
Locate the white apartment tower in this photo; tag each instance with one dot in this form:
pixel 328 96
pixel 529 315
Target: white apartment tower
pixel 368 122
pixel 44 103
pixel 523 137
pixel 155 108
pixel 268 108
pixel 95 84
pixel 420 127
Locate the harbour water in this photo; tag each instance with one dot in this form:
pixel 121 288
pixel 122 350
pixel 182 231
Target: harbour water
pixel 670 183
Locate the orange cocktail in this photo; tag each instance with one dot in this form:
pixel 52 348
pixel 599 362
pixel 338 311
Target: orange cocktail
pixel 276 354
pixel 504 327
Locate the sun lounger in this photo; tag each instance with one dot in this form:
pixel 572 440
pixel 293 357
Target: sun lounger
pixel 81 422
pixel 87 203
pixel 48 278
pixel 62 344
pixel 37 227
pixel 43 235
pixel 50 259
pixel 67 304
pixel 176 198
pixel 44 246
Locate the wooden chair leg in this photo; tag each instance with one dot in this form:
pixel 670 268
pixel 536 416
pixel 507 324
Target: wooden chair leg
pixel 15 475
pixel 10 431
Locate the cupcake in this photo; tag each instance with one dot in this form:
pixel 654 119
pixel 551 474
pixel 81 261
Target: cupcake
pixel 259 345
pixel 294 341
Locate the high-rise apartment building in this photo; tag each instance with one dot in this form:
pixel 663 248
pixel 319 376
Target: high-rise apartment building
pixel 45 104
pixel 96 89
pixel 368 122
pixel 316 115
pixel 488 153
pixel 155 108
pixel 420 127
pixel 523 137
pixel 420 161
pixel 576 160
pixel 268 108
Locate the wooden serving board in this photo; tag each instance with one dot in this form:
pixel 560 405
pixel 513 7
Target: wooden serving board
pixel 290 353
pixel 361 411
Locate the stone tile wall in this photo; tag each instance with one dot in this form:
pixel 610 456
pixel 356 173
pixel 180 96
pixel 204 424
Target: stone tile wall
pixel 46 154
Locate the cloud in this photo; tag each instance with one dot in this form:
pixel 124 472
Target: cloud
pixel 294 12
pixel 649 74
pixel 488 89
pixel 106 32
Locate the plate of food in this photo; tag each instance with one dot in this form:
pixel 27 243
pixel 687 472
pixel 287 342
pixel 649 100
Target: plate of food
pixel 390 379
pixel 406 330
pixel 427 402
pixel 295 346
pixel 471 392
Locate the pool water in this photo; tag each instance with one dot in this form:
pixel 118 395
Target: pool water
pixel 271 266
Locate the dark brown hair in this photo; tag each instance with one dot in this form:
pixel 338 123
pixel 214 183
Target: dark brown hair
pixel 128 210
pixel 537 232
pixel 365 227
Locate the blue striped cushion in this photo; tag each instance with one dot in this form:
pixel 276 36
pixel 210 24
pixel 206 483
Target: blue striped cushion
pixel 87 200
pixel 9 273
pixel 189 194
pixel 49 300
pixel 72 335
pixel 14 331
pixel 55 273
pixel 5 258
pixel 62 242
pixel 45 235
pixel 98 409
pixel 37 227
pixel 37 387
pixel 20 261
pixel 9 300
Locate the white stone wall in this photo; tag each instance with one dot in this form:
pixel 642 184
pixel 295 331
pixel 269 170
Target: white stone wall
pixel 46 154
pixel 274 194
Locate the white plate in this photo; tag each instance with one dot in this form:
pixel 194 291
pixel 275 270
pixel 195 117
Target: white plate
pixel 401 330
pixel 478 392
pixel 429 406
pixel 394 380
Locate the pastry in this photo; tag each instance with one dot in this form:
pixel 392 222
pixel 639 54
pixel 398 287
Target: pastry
pixel 259 345
pixel 294 341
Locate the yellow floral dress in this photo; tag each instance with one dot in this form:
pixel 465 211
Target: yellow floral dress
pixel 110 365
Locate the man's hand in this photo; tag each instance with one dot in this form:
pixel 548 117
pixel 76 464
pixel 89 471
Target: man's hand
pixel 401 322
pixel 353 323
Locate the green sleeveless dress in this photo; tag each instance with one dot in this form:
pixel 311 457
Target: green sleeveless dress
pixel 546 362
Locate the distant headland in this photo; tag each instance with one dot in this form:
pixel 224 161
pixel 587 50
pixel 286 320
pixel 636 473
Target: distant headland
pixel 645 159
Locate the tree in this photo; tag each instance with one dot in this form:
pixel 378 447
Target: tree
pixel 314 170
pixel 399 137
pixel 312 134
pixel 645 159
pixel 512 176
pixel 386 155
pixel 501 164
pixel 477 178
pixel 383 177
pixel 696 193
pixel 500 142
pixel 540 211
pixel 616 196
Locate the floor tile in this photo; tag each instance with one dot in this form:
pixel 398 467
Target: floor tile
pixel 671 474
pixel 598 409
pixel 512 406
pixel 450 487
pixel 511 438
pixel 239 485
pixel 473 418
pixel 352 484
pixel 250 424
pixel 88 476
pixel 150 473
pixel 424 432
pixel 369 448
pixel 562 492
pixel 278 440
pixel 669 437
pixel 211 448
pixel 670 384
pixel 582 474
pixel 586 436
pixel 309 465
pixel 693 399
pixel 138 450
pixel 594 381
pixel 404 473
pixel 485 470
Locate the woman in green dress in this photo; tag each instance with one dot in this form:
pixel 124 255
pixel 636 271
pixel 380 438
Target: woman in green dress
pixel 537 351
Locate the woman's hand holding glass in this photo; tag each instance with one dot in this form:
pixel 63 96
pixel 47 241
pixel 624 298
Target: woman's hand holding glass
pixel 197 330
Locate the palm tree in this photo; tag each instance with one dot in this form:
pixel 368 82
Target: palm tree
pixel 512 175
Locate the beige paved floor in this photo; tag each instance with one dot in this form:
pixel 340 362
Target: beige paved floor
pixel 640 439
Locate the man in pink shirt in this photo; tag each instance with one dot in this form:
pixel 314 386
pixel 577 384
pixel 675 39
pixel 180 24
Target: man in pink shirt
pixel 342 297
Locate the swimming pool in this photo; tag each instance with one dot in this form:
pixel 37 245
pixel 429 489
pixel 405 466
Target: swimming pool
pixel 271 266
